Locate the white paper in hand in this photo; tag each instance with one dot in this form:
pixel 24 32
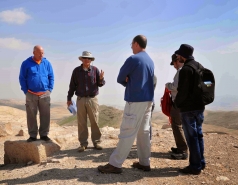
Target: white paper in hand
pixel 73 108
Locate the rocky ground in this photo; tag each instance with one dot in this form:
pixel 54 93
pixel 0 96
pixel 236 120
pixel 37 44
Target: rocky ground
pixel 71 167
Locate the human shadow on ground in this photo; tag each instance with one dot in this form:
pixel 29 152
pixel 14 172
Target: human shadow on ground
pixel 92 175
pixel 103 155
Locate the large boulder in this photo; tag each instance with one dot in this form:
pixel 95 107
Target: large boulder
pixel 5 129
pixel 23 152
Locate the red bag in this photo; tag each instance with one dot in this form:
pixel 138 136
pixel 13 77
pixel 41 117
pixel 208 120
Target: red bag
pixel 166 102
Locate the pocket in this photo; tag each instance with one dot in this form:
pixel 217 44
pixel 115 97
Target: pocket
pixel 33 70
pixel 128 122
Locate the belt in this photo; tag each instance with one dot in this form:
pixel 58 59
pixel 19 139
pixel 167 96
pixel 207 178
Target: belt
pixel 87 96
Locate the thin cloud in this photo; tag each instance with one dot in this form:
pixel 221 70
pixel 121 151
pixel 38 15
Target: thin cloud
pixel 14 44
pixel 231 48
pixel 15 16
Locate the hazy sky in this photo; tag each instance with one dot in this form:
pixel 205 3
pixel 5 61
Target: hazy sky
pixel 106 28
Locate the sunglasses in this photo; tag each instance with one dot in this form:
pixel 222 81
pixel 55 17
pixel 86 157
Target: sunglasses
pixel 86 58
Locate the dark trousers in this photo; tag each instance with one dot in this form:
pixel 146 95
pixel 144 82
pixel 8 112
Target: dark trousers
pixel 176 124
pixel 33 104
pixel 192 125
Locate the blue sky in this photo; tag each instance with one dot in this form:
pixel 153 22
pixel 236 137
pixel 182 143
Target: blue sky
pixel 106 28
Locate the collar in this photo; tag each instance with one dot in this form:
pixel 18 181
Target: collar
pixel 81 68
pixel 189 59
pixel 38 62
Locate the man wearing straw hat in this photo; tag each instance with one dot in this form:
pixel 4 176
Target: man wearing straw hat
pixel 84 82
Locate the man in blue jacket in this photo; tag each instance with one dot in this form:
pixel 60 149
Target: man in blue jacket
pixel 37 81
pixel 137 76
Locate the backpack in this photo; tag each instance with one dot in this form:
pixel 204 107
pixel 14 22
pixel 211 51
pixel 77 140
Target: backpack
pixel 204 84
pixel 166 102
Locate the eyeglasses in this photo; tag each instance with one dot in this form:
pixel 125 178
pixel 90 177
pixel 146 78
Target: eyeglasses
pixel 86 58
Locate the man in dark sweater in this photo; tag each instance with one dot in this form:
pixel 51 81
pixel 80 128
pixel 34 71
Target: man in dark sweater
pixel 191 111
pixel 84 82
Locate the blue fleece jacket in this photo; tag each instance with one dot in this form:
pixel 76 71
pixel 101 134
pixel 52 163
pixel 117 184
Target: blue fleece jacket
pixel 139 69
pixel 36 77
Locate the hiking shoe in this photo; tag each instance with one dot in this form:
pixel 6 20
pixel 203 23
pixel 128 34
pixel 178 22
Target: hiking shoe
pixel 181 156
pixel 174 150
pixel 98 147
pixel 188 170
pixel 82 148
pixel 109 169
pixel 141 167
pixel 31 139
pixel 45 138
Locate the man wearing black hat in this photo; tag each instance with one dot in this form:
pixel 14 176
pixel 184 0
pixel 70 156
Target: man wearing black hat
pixel 181 150
pixel 191 112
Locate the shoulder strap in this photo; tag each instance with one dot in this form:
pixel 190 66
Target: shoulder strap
pixel 193 66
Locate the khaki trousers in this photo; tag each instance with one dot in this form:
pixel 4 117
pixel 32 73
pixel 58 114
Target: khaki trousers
pixel 178 130
pixel 33 104
pixel 135 124
pixel 88 106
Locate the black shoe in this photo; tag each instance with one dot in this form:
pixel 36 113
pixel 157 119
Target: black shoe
pixel 108 168
pixel 31 139
pixel 181 156
pixel 203 167
pixel 174 150
pixel 45 138
pixel 188 170
pixel 141 167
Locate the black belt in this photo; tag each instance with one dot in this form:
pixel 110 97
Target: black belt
pixel 87 96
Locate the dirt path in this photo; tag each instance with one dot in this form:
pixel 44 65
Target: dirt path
pixel 71 167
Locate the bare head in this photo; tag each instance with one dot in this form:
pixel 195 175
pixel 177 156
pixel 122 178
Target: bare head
pixel 138 44
pixel 38 53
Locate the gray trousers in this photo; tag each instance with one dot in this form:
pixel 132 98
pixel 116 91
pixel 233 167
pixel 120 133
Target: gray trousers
pixel 135 124
pixel 88 106
pixel 33 104
pixel 178 130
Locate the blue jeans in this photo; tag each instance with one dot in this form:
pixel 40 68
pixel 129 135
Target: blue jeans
pixel 192 126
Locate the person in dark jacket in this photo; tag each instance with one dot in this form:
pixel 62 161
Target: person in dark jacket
pixel 191 111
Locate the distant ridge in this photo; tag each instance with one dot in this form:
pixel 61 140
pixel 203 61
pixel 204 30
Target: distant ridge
pixel 111 116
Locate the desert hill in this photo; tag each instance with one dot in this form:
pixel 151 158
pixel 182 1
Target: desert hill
pixel 70 167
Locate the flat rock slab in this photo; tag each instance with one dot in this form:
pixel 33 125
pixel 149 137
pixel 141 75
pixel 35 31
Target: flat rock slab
pixel 23 152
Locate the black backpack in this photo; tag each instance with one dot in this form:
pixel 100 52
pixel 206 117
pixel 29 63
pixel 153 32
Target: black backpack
pixel 204 85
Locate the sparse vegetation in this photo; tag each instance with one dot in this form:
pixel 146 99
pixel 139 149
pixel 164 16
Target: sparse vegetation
pixel 108 116
pixel 71 120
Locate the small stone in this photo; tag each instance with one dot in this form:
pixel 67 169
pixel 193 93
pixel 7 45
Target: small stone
pixel 20 133
pixel 30 162
pixel 222 178
pixel 55 160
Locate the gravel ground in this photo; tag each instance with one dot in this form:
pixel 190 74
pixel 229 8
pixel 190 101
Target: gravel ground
pixel 71 167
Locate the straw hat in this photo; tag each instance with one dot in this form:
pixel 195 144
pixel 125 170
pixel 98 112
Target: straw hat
pixel 86 54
